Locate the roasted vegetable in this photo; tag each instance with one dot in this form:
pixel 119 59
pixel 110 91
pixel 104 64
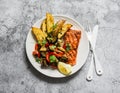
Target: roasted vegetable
pixel 61 49
pixel 54 65
pixel 43 53
pixel 65 28
pixel 63 59
pixel 50 22
pixel 47 57
pixel 43 48
pixel 52 39
pixel 36 46
pixel 39 60
pixel 44 63
pixel 40 36
pixel 59 43
pixel 53 59
pixel 44 26
pixel 59 24
pixel 44 42
pixel 52 36
pixel 36 53
pixel 52 47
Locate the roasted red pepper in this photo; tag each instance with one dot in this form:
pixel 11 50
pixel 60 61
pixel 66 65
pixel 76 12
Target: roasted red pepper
pixel 36 46
pixel 60 54
pixel 36 53
pixel 53 66
pixel 64 46
pixel 57 54
pixel 47 44
pixel 47 57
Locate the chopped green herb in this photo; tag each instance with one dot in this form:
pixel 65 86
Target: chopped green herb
pixel 38 60
pixel 50 34
pixel 44 42
pixel 63 59
pixel 68 47
pixel 39 42
pixel 54 26
pixel 53 58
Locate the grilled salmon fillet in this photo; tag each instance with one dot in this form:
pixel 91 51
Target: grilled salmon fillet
pixel 72 37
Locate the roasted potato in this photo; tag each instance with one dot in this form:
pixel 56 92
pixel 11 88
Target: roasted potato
pixel 44 26
pixel 59 25
pixel 50 22
pixel 39 34
pixel 65 28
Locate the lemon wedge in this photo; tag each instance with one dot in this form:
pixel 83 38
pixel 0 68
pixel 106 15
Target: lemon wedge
pixel 64 68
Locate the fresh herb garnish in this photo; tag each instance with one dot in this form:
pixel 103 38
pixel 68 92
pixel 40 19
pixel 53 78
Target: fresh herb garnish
pixel 54 26
pixel 68 47
pixel 44 42
pixel 38 60
pixel 39 42
pixel 53 59
pixel 63 59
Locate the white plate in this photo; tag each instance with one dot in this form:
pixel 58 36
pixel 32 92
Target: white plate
pixel 82 54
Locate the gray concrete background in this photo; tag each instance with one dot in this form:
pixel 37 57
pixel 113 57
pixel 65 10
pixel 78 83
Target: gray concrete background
pixel 16 73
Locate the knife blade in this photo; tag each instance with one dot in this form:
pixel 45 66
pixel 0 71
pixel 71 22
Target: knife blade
pixel 94 36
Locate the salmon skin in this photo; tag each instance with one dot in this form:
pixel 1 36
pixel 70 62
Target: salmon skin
pixel 72 37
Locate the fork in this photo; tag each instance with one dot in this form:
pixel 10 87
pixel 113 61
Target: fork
pixel 94 58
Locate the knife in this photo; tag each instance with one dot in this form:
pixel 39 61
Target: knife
pixel 98 67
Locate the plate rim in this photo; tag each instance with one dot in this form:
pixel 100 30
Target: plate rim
pixel 64 16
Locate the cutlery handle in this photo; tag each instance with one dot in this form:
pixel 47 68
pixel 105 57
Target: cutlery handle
pixel 89 76
pixel 98 66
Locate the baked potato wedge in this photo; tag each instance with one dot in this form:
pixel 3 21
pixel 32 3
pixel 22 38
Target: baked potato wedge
pixel 59 25
pixel 44 26
pixel 65 28
pixel 50 22
pixel 39 34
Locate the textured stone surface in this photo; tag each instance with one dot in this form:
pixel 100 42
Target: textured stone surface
pixel 16 73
